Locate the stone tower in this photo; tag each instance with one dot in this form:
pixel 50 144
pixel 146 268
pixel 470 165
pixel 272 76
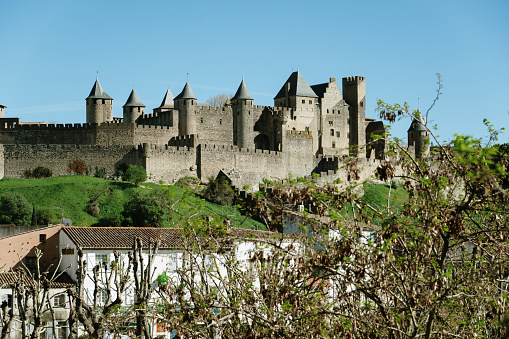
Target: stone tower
pixel 243 126
pixel 354 93
pixel 99 105
pixel 167 104
pixel 418 139
pixel 133 108
pixel 186 104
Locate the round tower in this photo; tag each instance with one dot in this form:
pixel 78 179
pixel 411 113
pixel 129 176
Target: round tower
pixel 243 127
pixel 99 105
pixel 133 108
pixel 418 139
pixel 186 104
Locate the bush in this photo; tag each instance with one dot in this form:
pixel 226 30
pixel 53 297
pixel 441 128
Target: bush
pixel 93 209
pixel 42 172
pixel 15 209
pixel 219 191
pixel 77 166
pixel 135 174
pixel 100 172
pixel 44 216
pixel 143 210
pixel 121 169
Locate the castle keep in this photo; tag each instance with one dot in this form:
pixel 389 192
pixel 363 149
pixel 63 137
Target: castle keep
pixel 309 129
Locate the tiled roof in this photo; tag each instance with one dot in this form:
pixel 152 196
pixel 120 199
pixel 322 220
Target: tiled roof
pixel 97 92
pixel 134 100
pixel 122 237
pixel 242 92
pixel 298 87
pixel 187 93
pixel 8 279
pixel 167 100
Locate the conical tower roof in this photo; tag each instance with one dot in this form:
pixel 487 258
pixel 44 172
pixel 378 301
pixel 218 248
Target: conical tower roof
pixel 187 93
pixel 133 100
pixel 167 100
pixel 298 87
pixel 242 92
pixel 97 92
pixel 417 126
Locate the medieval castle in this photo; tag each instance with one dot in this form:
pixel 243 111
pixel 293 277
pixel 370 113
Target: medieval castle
pixel 309 129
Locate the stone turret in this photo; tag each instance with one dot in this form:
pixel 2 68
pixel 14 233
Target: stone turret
pixel 418 139
pixel 186 104
pixel 99 105
pixel 354 93
pixel 243 125
pixel 133 108
pixel 2 107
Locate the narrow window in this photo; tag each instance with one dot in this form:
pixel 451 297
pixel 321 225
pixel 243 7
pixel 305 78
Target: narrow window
pixel 362 103
pixel 42 237
pixel 59 300
pixel 332 132
pixel 201 120
pixel 310 102
pixel 307 129
pixel 103 101
pixel 337 134
pixel 220 121
pixel 333 144
pixel 331 123
pixel 327 110
pixel 303 101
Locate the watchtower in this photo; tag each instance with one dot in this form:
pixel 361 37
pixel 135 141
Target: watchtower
pixel 133 108
pixel 418 139
pixel 354 93
pixel 99 105
pixel 243 126
pixel 186 104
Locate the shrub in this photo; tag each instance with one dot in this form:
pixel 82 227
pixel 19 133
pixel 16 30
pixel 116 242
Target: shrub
pixel 27 174
pixel 42 172
pixel 219 191
pixel 143 210
pixel 15 209
pixel 77 166
pixel 44 216
pixel 135 174
pixel 100 172
pixel 121 169
pixel 93 209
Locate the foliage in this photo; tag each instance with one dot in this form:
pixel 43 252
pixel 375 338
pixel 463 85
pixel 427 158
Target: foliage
pixel 100 172
pixel 45 216
pixel 77 166
pixel 143 210
pixel 218 100
pixel 135 174
pixel 219 191
pixel 38 173
pixel 15 209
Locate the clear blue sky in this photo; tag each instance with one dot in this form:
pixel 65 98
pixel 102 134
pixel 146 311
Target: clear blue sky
pixel 51 50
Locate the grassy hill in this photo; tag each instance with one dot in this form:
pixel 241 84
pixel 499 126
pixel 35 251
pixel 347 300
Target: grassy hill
pixel 74 193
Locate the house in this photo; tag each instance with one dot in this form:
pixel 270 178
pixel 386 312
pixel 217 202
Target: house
pixel 59 246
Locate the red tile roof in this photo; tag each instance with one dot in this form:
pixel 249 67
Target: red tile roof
pixel 123 237
pixel 8 279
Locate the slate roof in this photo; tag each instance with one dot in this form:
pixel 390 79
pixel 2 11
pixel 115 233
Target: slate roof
pixel 167 100
pixel 242 92
pixel 3 106
pixel 187 93
pixel 320 89
pixel 97 92
pixel 7 279
pixel 133 100
pixel 298 87
pixel 417 126
pixel 122 237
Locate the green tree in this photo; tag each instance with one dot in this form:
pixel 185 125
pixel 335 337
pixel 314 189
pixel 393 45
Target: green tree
pixel 219 191
pixel 143 210
pixel 15 209
pixel 134 174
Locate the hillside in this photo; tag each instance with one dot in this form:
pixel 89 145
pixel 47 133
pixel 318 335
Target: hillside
pixel 74 193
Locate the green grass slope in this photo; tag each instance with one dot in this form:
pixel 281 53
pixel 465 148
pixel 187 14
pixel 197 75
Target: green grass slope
pixel 74 193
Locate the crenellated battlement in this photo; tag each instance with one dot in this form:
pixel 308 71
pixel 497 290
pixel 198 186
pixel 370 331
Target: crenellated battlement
pixel 353 80
pixel 146 147
pixel 189 140
pixel 299 134
pixel 234 149
pixel 212 109
pixel 46 126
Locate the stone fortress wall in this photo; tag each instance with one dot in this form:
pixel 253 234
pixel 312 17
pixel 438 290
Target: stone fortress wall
pixel 313 130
